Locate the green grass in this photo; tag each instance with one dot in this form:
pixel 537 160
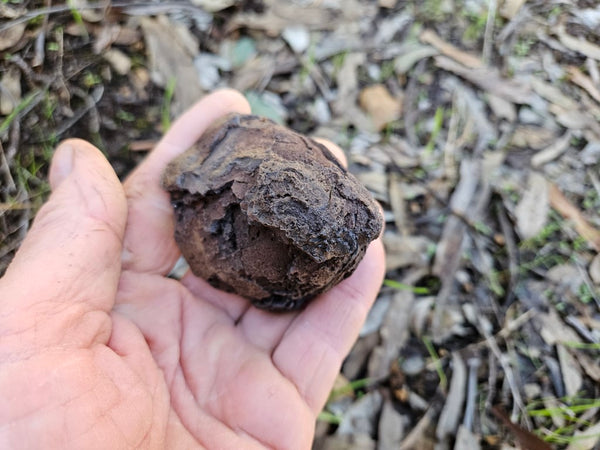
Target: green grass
pixel 569 411
pixel 438 122
pixel 26 102
pixel 405 287
pixel 326 416
pixel 165 109
pixel 78 18
pixel 437 363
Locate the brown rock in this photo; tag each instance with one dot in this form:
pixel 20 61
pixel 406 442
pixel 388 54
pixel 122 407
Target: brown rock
pixel 267 213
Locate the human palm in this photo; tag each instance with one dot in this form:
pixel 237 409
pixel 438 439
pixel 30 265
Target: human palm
pixel 99 349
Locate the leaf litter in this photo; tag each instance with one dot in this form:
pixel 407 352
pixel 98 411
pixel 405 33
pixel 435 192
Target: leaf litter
pixel 476 125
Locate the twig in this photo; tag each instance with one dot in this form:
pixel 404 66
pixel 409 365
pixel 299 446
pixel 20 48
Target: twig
pixel 489 31
pixel 473 364
pixel 512 253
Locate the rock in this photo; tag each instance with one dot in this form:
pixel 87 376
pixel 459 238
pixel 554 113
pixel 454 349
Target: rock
pixel 267 213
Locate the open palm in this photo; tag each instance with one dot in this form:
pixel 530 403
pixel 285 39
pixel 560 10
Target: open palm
pixel 99 349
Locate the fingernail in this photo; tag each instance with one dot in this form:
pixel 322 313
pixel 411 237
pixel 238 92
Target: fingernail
pixel 62 164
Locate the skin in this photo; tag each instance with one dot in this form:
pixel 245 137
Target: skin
pixel 98 349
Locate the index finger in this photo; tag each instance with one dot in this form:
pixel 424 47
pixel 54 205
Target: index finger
pixel 149 245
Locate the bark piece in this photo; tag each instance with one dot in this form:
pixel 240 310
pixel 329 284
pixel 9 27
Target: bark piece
pixel 267 213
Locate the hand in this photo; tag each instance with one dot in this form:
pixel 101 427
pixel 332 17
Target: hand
pixel 99 349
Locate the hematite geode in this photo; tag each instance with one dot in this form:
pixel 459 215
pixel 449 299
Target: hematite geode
pixel 267 213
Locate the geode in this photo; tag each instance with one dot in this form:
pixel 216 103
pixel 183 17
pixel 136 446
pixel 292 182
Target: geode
pixel 268 213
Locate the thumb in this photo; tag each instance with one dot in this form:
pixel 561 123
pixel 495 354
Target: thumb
pixel 70 260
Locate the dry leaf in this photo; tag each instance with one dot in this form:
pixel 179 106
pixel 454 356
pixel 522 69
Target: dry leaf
pixel 594 269
pixel 569 211
pixel 118 60
pixel 387 3
pixel 453 408
pixel 11 36
pixel 570 371
pixel 489 80
pixel 10 92
pixel 584 81
pixel 380 105
pixel 585 439
pixel 88 14
pixel 170 59
pixel 525 437
pixel 464 58
pixel 579 45
pixel 552 151
pixel 511 8
pixel 214 5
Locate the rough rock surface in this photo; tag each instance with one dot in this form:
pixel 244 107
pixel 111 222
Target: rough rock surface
pixel 268 213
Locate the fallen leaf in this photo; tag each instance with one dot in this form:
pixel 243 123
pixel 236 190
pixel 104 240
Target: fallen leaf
pixel 360 419
pixel 464 58
pixel 569 211
pixel 594 269
pixel 405 251
pixel 387 3
pixel 392 427
pixel 526 438
pixel 578 77
pixel 88 14
pixel 169 59
pixel 214 5
pixel 118 60
pixel 11 36
pixel 585 439
pixel 453 408
pixel 553 151
pixel 511 8
pixel 10 94
pixel 570 371
pixel 297 37
pixel 466 439
pixel 578 44
pixel 489 80
pixel 383 108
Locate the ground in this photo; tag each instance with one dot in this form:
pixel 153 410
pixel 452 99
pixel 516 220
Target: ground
pixel 475 123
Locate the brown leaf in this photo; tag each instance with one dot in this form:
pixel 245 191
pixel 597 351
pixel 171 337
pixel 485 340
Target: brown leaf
pixel 383 108
pixel 526 438
pixel 464 58
pixel 11 36
pixel 569 211
pixel 170 58
pixel 584 81
pixel 579 45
